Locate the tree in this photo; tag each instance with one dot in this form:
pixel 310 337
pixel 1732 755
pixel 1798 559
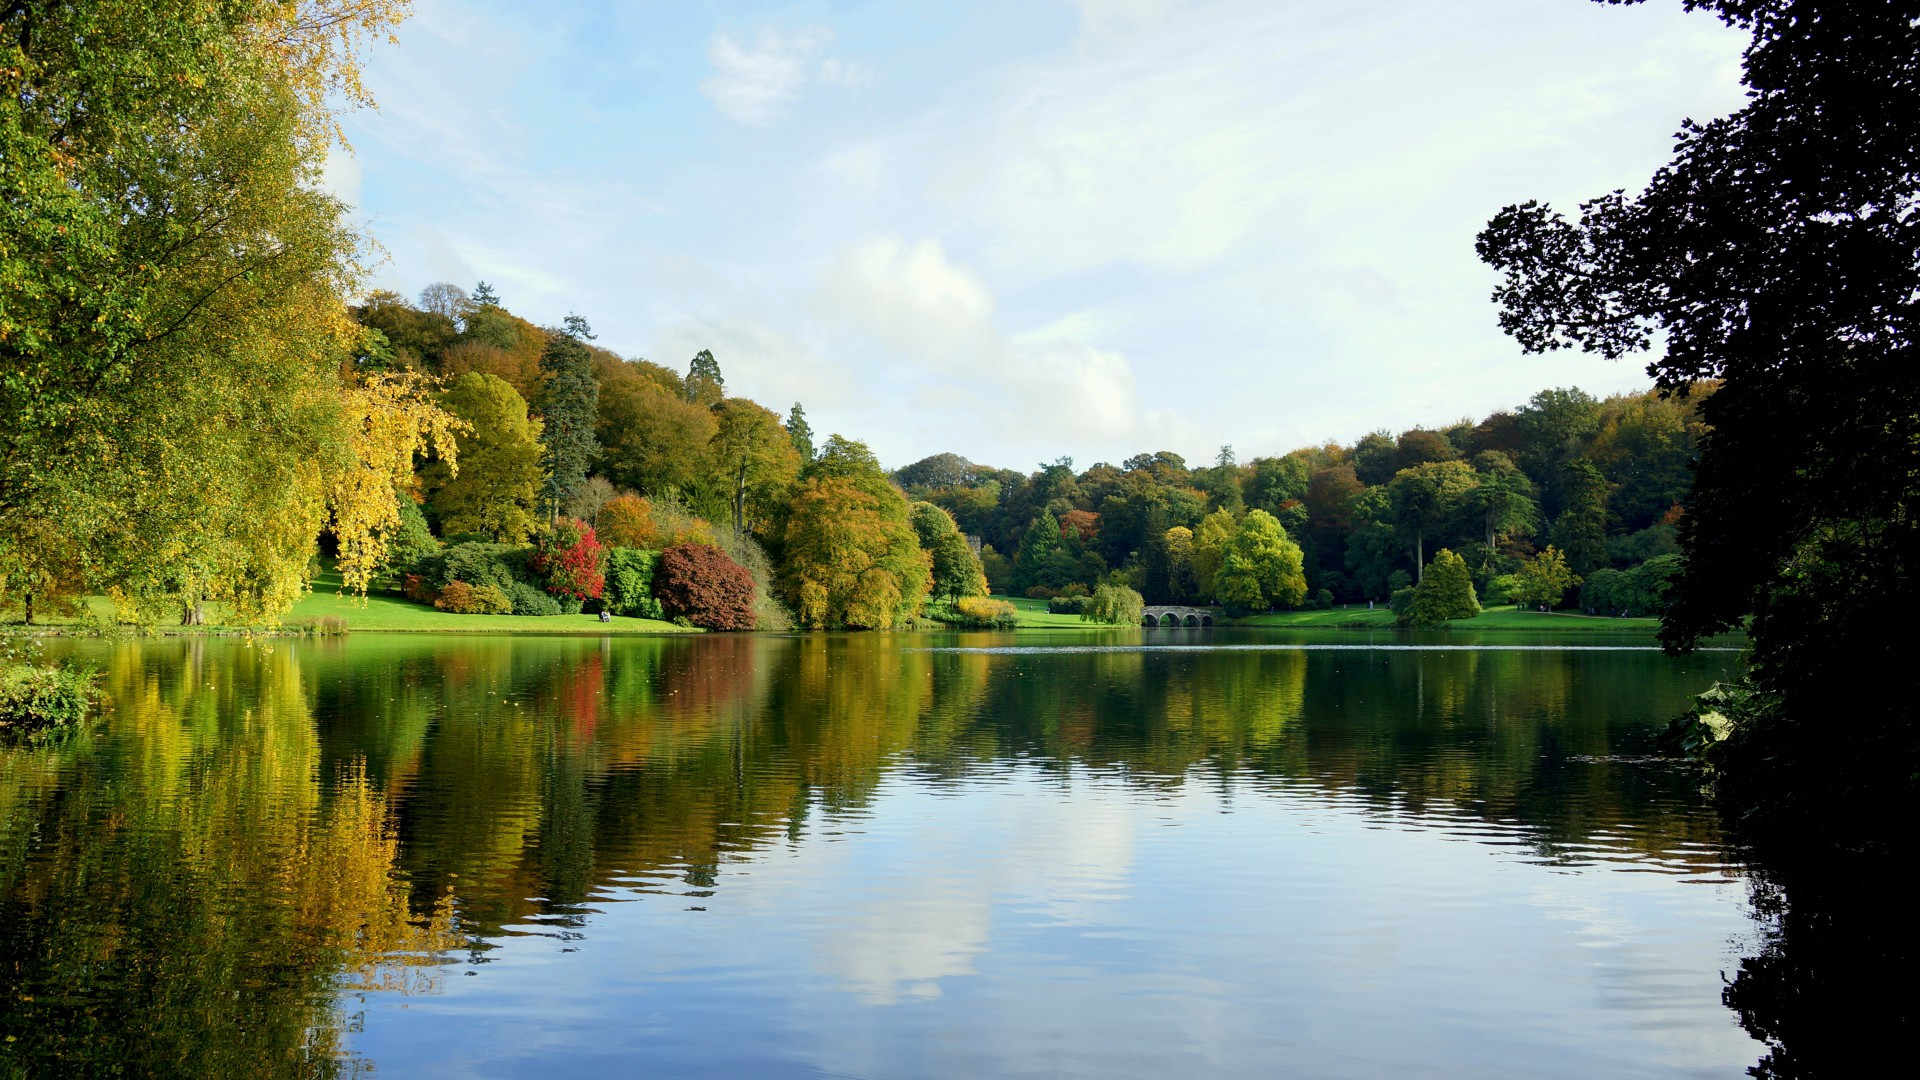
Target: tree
pixel 1423 498
pixel 956 571
pixel 569 409
pixel 1210 549
pixel 446 300
pixel 704 384
pixel 937 471
pixel 174 334
pixel 1181 582
pixel 1038 544
pixel 1498 499
pixel 1261 566
pixel 627 521
pixel 1444 593
pixel 699 583
pixel 1375 458
pixel 1115 605
pixel 753 461
pixel 1418 446
pixel 1555 426
pixel 1544 579
pixel 800 432
pixel 590 499
pixel 852 557
pixel 1581 529
pixel 653 441
pixel 497 489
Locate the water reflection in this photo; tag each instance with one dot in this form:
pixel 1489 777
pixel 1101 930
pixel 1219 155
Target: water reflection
pixel 265 846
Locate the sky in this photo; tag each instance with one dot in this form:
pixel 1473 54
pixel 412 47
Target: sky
pixel 1022 230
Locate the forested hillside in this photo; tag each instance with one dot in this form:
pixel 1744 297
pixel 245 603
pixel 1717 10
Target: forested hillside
pixel 1565 499
pixel 1564 487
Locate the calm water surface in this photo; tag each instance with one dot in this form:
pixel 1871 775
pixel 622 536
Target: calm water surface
pixel 878 855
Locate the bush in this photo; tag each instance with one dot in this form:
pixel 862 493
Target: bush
pixel 1067 605
pixel 36 700
pixel 1401 602
pixel 419 589
pixel 629 588
pixel 1321 601
pixel 980 612
pixel 1041 592
pixel 699 583
pixel 461 598
pixel 1116 605
pixel 627 521
pixel 1504 589
pixel 1076 589
pixel 1445 593
pixel 472 563
pixel 571 562
pixel 531 600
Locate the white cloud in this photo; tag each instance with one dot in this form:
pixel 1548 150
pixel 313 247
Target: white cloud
pixel 1173 224
pixel 755 84
pixel 849 74
pixel 933 318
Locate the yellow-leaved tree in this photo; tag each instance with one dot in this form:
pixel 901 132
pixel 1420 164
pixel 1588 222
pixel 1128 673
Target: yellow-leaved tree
pixel 180 420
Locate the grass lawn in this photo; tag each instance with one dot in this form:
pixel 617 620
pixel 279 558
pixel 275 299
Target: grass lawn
pixel 1035 616
pixel 384 612
pixel 1501 618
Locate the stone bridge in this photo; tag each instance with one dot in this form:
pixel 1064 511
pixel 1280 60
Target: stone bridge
pixel 1176 615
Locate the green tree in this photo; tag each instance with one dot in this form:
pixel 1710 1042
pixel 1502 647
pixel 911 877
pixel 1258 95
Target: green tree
pixel 704 385
pixel 1210 549
pixel 956 571
pixel 752 460
pixel 1261 566
pixel 1424 498
pixel 497 489
pixel 1445 593
pixel 1115 605
pixel 1040 543
pixel 1499 500
pixel 1581 529
pixel 569 409
pixel 800 433
pixel 1544 579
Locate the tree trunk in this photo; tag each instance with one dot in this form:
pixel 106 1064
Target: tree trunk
pixel 193 614
pixel 1419 557
pixel 740 498
pixel 27 617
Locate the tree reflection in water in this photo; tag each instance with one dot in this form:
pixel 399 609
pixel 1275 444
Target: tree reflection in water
pixel 256 835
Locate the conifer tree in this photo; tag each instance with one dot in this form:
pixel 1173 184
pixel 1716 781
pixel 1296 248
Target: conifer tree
pixel 569 406
pixel 800 432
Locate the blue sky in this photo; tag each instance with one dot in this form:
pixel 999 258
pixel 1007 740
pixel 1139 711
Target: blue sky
pixel 1021 230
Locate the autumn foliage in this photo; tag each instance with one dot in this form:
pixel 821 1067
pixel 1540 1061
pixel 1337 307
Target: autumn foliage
pixel 627 521
pixel 572 561
pixel 461 598
pixel 700 583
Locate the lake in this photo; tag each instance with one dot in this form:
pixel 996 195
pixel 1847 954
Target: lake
pixel 1102 854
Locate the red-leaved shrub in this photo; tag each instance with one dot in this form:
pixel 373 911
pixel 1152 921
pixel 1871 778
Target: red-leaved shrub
pixel 705 586
pixel 571 561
